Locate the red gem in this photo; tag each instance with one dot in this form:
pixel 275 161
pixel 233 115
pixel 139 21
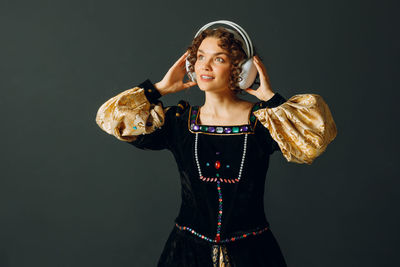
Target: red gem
pixel 217 238
pixel 217 164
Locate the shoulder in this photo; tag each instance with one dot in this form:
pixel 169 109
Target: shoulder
pixel 179 110
pixel 276 100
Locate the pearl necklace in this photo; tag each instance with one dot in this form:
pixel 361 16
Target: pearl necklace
pixel 241 164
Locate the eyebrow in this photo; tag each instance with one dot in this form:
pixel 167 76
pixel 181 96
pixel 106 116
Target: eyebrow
pixel 219 53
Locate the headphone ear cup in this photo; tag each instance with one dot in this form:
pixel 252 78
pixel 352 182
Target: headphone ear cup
pixel 248 74
pixel 192 75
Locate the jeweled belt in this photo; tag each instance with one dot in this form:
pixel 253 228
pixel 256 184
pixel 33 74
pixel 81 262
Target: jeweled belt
pixel 256 231
pixel 219 252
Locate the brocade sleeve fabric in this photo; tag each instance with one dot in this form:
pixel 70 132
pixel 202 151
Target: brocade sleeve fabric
pixel 302 126
pixel 133 112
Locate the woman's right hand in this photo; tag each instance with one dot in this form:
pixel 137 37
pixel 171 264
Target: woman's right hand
pixel 173 80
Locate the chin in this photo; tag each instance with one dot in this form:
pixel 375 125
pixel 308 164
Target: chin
pixel 211 88
pixel 206 87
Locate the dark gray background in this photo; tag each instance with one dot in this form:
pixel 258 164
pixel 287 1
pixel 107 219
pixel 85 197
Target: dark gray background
pixel 71 195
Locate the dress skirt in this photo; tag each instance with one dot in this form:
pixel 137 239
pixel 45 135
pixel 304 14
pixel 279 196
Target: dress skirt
pixel 183 249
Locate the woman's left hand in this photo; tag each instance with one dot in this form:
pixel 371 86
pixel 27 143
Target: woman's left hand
pixel 264 91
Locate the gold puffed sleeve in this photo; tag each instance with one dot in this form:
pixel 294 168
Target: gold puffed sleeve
pixel 302 126
pixel 130 114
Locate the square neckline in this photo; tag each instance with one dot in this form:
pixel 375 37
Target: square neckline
pixel 215 125
pixel 195 127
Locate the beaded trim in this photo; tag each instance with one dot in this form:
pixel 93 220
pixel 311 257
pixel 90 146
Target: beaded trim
pixel 226 240
pixel 215 179
pixel 195 127
pixel 219 223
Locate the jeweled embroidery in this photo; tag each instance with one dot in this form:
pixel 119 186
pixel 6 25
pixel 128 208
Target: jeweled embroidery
pixel 225 240
pixel 218 164
pixel 223 130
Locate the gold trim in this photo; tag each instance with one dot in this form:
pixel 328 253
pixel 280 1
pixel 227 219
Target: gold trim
pixel 220 256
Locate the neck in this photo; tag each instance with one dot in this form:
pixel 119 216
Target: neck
pixel 219 104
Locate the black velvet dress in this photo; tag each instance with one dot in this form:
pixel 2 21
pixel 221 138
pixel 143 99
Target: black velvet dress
pixel 222 169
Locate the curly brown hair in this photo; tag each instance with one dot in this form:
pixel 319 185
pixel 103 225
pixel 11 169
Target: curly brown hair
pixel 227 42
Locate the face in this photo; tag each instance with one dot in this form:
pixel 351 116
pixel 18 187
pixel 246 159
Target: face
pixel 212 61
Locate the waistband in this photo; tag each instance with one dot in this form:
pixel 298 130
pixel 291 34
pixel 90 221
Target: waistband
pixel 233 238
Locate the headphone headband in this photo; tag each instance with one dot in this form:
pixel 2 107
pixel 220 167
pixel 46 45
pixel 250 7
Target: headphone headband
pixel 244 36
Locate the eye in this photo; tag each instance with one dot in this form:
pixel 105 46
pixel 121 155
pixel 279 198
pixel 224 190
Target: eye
pixel 221 59
pixel 199 56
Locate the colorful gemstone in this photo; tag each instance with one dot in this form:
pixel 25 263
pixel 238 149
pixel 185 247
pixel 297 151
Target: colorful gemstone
pixel 244 128
pixel 196 127
pixel 217 165
pixel 228 130
pixel 204 128
pixel 252 118
pixel 235 129
pixel 207 164
pixel 217 174
pixel 211 129
pixel 134 127
pixel 220 129
pixel 227 166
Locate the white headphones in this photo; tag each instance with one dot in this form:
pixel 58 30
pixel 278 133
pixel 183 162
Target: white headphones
pixel 249 70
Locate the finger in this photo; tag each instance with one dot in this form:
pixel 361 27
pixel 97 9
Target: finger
pixel 259 63
pixel 264 69
pixel 250 91
pixel 259 69
pixel 264 78
pixel 182 59
pixel 189 84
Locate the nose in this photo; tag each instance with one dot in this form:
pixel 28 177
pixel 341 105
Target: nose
pixel 205 65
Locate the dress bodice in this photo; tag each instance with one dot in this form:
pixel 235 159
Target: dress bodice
pixel 222 168
pixel 222 171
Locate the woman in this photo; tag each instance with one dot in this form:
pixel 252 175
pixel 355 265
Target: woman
pixel 222 150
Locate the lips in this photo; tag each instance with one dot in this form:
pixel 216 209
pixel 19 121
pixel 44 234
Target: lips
pixel 206 77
